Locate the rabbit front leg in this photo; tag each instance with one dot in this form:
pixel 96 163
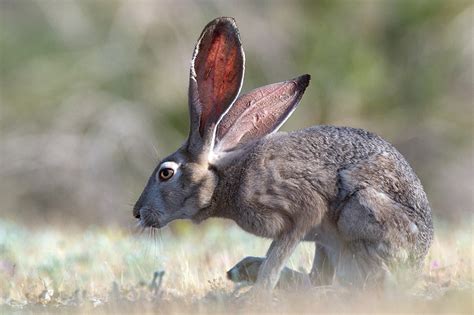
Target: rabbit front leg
pixel 278 253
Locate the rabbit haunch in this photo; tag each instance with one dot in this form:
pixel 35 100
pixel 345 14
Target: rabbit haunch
pixel 347 190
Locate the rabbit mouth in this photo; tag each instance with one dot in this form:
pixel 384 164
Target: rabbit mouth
pixel 150 218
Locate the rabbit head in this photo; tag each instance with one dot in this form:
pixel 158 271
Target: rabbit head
pixel 220 125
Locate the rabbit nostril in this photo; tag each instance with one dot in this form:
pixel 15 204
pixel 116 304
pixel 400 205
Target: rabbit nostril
pixel 136 213
pixel 233 275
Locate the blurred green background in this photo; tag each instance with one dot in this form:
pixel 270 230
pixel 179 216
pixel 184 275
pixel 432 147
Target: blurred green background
pixel 93 93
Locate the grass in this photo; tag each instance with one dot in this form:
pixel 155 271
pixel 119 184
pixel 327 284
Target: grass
pixel 111 270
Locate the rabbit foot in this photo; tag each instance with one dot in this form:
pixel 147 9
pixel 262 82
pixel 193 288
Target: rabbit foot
pixel 246 271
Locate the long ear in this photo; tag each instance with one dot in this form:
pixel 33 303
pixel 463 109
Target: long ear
pixel 260 112
pixel 217 70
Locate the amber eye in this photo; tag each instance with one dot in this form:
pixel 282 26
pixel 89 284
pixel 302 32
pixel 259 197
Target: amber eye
pixel 166 173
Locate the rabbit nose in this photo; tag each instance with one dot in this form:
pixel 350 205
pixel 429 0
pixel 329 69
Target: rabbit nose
pixel 232 275
pixel 136 212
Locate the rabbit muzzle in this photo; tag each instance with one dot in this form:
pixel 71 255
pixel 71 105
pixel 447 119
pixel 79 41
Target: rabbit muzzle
pixel 154 218
pixel 148 218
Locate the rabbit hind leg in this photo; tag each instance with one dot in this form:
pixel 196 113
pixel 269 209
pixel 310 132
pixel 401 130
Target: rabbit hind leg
pixel 361 265
pixel 322 272
pixel 377 232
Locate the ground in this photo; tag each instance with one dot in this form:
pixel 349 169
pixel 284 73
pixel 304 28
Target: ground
pixel 115 270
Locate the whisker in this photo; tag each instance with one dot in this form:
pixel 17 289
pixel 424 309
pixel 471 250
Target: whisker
pixel 138 228
pixel 157 155
pixel 146 233
pixel 154 240
pixel 160 239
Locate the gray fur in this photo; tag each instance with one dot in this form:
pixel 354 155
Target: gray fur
pixel 346 189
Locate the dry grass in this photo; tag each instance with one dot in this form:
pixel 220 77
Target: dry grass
pixel 111 271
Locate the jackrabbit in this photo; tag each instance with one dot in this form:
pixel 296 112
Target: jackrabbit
pixel 347 190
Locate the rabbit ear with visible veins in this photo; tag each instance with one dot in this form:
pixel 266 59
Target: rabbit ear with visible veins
pixel 217 70
pixel 259 112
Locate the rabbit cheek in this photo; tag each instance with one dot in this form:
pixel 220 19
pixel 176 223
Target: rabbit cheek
pixel 199 184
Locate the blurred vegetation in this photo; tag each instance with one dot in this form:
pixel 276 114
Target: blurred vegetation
pixel 92 93
pixel 110 271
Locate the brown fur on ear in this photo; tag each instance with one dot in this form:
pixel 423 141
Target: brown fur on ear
pixel 259 112
pixel 217 70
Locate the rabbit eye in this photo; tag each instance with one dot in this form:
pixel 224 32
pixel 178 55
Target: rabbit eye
pixel 166 173
pixel 167 170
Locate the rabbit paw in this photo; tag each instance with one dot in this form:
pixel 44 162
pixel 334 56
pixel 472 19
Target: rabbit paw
pixel 246 270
